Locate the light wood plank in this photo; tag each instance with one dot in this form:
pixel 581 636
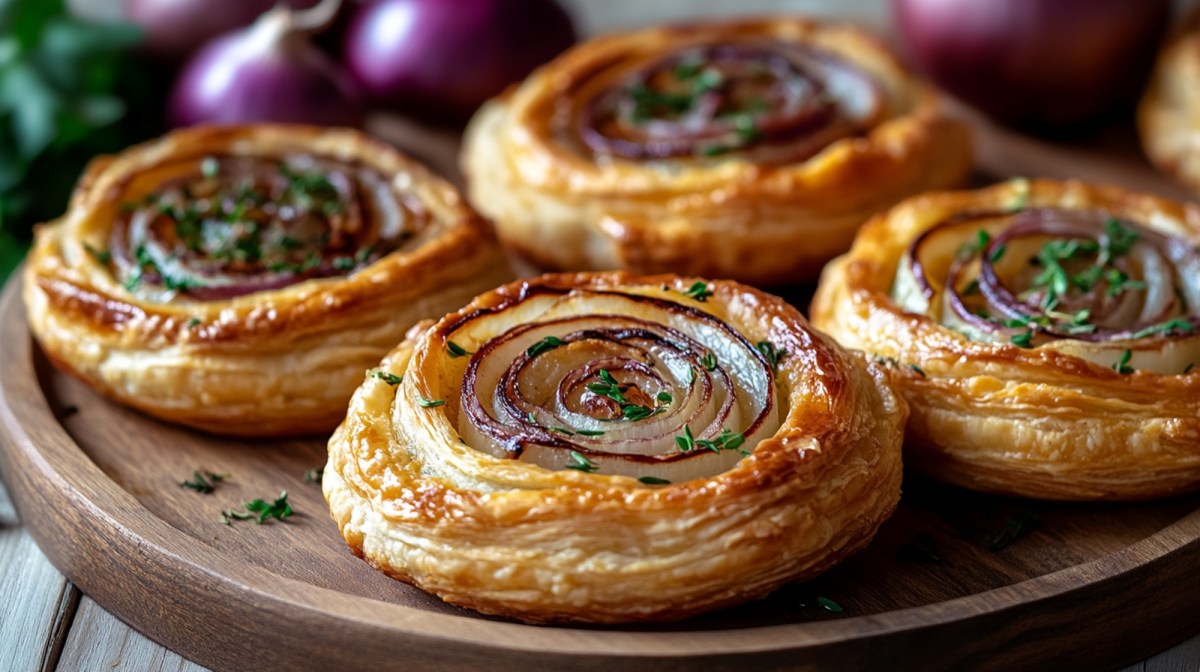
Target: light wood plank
pixel 38 601
pixel 99 641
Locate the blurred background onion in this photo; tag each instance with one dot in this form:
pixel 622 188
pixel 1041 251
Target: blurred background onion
pixel 269 71
pixel 440 59
pixel 1036 63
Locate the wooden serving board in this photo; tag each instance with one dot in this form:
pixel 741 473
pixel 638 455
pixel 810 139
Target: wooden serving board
pixel 954 579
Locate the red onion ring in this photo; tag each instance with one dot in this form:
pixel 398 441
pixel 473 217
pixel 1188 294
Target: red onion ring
pixel 657 366
pixel 232 226
pixel 1171 255
pixel 804 108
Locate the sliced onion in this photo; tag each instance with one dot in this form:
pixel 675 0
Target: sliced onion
pixel 813 98
pixel 247 227
pixel 537 403
pixel 1160 308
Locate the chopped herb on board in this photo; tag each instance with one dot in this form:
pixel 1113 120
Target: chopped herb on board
pixel 921 549
pixel 260 511
pixel 829 605
pixel 203 482
pixel 314 475
pixel 1015 527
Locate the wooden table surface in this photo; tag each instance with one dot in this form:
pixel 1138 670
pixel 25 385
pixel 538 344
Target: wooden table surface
pixel 46 623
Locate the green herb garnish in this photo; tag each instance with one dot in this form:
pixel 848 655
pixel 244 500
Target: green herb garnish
pixel 1014 528
pixel 314 475
pixel 698 291
pixel 1023 339
pixel 579 462
pixel 653 480
pixel 609 388
pixel 101 256
pixel 457 350
pixel 1177 325
pixel 260 511
pixel 709 361
pixel 772 354
pixel 687 442
pixel 389 378
pixel 204 482
pixel 726 440
pixel 545 345
pixel 429 403
pixel 1122 366
pixel 829 605
pixel 1117 241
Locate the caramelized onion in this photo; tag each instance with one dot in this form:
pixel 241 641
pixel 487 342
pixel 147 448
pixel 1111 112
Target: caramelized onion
pixel 784 102
pixel 227 226
pixel 613 382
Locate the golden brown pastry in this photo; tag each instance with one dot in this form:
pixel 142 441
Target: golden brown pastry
pixel 750 150
pixel 1169 112
pixel 241 279
pixel 1044 334
pixel 608 448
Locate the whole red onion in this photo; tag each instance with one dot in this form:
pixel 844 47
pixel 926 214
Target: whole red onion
pixel 1035 62
pixel 441 58
pixel 267 72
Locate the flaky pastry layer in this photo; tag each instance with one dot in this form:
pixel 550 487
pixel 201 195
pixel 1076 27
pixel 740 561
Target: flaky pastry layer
pixel 1168 112
pixel 507 537
pixel 563 208
pixel 269 363
pixel 1040 421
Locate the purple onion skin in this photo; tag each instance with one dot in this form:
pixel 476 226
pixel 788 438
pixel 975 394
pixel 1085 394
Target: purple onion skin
pixel 1041 64
pixel 232 81
pixel 441 59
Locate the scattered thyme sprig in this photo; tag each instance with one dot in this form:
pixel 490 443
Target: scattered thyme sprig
pixel 204 482
pixel 260 511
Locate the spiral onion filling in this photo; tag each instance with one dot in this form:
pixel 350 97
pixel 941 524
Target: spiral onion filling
pixel 1077 280
pixel 785 101
pixel 630 385
pixel 230 226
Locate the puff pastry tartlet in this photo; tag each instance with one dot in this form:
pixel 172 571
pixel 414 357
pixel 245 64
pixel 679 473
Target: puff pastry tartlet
pixel 241 279
pixel 750 150
pixel 1044 335
pixel 608 447
pixel 1169 112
